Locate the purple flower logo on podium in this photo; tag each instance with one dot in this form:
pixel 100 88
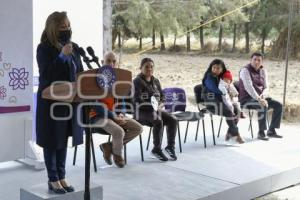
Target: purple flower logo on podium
pixel 106 76
pixel 18 78
pixel 2 92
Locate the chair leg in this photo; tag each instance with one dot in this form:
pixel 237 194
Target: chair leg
pixel 250 116
pixel 161 139
pixel 149 136
pixel 204 135
pixel 93 154
pixel 250 123
pixel 141 147
pixel 196 137
pixel 125 154
pixel 213 129
pixel 221 120
pixel 179 138
pixel 75 155
pixel 186 130
pixel 268 122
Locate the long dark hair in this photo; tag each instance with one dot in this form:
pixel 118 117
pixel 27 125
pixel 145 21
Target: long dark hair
pixel 209 69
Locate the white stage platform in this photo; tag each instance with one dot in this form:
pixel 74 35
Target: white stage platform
pixel 233 172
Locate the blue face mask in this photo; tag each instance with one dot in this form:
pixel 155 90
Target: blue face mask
pixel 64 37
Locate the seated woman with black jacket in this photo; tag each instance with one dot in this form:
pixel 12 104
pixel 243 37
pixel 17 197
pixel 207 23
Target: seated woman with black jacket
pixel 213 98
pixel 148 100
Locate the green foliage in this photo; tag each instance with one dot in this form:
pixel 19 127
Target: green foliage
pixel 139 18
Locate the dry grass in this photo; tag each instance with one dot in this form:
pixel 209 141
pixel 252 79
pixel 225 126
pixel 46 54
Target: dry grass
pixel 186 70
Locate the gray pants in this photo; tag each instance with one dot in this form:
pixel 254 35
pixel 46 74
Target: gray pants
pixel 121 134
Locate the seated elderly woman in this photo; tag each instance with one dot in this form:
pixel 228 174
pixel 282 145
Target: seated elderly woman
pixel 213 98
pixel 148 102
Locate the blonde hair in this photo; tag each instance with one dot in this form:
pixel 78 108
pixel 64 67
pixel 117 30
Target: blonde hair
pixel 51 30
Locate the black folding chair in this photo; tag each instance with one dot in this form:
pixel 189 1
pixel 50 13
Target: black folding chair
pixel 176 104
pixel 103 132
pixel 200 101
pixel 93 150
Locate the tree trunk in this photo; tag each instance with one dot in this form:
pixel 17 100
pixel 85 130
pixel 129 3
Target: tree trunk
pixel 220 37
pixel 234 39
pixel 153 38
pixel 247 30
pixel 141 43
pixel 175 38
pixel 162 42
pixel 263 39
pixel 114 37
pixel 279 46
pixel 201 36
pixel 188 40
pixel 119 39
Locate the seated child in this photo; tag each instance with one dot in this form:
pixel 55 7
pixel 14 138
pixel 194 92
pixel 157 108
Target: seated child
pixel 230 98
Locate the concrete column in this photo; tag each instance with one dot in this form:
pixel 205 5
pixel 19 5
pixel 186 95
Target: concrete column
pixel 107 25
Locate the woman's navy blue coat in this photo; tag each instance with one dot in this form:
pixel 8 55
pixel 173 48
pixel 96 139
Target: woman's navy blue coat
pixel 54 133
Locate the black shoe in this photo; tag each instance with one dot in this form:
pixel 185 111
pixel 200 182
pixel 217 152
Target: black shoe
pixel 171 152
pixel 69 188
pixel 56 190
pixel 159 154
pixel 262 136
pixel 272 133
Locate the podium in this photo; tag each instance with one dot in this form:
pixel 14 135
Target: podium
pixel 89 86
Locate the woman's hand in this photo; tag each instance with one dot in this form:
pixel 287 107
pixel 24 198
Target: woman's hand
pixel 67 49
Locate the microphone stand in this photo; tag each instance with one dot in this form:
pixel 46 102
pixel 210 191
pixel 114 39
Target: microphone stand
pixel 86 111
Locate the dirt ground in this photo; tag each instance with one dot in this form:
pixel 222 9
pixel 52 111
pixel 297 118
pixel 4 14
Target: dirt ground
pixel 186 71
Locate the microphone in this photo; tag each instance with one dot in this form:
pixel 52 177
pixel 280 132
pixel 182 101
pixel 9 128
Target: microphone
pixel 95 59
pixel 85 58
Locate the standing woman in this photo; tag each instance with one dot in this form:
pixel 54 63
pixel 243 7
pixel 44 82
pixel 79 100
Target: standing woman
pixel 213 98
pixel 57 60
pixel 147 89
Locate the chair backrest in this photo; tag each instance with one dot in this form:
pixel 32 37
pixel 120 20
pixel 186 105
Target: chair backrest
pixel 125 105
pixel 198 94
pixel 199 98
pixel 175 99
pixel 236 85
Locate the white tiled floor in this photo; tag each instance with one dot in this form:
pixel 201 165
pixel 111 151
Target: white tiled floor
pixel 198 172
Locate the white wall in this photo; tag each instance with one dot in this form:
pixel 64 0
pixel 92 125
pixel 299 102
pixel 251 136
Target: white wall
pixel 85 17
pixel 21 25
pixel 16 49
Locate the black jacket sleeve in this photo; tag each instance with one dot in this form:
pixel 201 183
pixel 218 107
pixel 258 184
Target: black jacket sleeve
pixel 138 88
pixel 162 97
pixel 51 68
